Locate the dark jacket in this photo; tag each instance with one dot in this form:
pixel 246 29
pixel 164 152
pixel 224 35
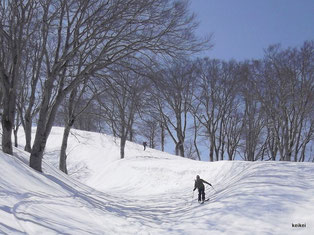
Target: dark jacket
pixel 199 184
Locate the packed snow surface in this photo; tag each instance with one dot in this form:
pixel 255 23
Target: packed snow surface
pixel 150 192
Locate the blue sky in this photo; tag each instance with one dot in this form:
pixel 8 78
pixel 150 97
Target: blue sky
pixel 242 29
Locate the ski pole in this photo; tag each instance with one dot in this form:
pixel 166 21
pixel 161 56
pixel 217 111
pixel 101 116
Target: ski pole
pixel 193 194
pixel 213 188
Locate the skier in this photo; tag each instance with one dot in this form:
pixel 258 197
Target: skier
pixel 199 184
pixel 144 144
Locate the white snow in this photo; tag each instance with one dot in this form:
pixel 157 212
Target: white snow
pixel 149 192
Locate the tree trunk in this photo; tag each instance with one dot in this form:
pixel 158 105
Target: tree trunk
pixel 28 134
pixel 46 118
pixel 16 129
pixel 63 155
pixel 6 136
pixel 162 137
pixel 122 146
pixel 177 149
pixel 38 150
pixel 196 146
pixel 180 148
pixel 211 151
pixel 8 116
pixel 41 132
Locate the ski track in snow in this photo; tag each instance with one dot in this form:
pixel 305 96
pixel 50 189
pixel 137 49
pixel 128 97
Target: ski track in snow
pixel 151 193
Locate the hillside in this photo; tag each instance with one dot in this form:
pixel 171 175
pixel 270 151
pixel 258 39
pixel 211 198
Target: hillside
pixel 150 192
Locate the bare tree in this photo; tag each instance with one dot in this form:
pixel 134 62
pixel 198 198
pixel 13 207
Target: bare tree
pixel 16 27
pixel 253 121
pixel 208 73
pixel 29 89
pixel 152 126
pixel 93 35
pixel 196 128
pixel 150 130
pixel 285 88
pixel 173 94
pixel 121 101
pixel 79 100
pixel 217 106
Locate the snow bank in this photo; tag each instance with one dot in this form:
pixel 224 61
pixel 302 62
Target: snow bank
pixel 150 192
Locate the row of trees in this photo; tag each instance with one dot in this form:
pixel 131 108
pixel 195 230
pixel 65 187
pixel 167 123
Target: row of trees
pixel 53 49
pixel 120 67
pixel 261 109
pixel 251 110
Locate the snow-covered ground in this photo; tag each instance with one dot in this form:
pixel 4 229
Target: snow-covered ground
pixel 150 192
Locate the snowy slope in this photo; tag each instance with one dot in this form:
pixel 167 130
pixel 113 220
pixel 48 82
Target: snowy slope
pixel 150 192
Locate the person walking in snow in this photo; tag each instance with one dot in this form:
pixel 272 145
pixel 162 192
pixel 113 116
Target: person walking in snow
pixel 144 145
pixel 199 184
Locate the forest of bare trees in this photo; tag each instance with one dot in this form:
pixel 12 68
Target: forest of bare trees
pixel 126 68
pixel 49 48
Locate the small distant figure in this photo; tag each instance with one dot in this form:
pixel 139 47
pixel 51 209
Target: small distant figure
pixel 144 145
pixel 199 184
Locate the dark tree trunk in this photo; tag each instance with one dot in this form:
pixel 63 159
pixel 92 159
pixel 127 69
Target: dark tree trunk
pixel 6 136
pixel 211 152
pixel 46 118
pixel 28 134
pixel 38 150
pixel 16 129
pixel 8 116
pixel 162 137
pixel 196 128
pixel 180 149
pixel 63 155
pixel 122 146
